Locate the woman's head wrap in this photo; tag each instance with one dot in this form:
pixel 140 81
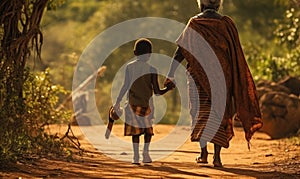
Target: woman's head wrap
pixel 210 3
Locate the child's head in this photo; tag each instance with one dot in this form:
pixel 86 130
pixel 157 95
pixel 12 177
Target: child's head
pixel 142 46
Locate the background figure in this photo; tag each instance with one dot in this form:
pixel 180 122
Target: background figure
pixel 241 101
pixel 140 82
pixel 81 116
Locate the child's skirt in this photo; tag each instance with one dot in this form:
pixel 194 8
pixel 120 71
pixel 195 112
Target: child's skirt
pixel 138 120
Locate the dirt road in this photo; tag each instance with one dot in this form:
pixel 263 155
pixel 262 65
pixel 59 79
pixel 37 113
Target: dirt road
pixel 266 159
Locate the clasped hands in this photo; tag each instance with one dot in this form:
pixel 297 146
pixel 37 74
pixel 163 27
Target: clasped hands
pixel 170 83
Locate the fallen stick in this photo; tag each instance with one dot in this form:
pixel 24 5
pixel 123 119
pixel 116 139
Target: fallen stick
pixel 99 72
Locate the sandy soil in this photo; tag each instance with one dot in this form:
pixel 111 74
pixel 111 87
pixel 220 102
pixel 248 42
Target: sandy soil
pixel 266 159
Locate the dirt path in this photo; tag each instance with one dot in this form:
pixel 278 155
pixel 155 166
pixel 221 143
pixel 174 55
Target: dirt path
pixel 266 159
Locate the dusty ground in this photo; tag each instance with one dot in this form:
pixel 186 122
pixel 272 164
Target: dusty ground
pixel 266 159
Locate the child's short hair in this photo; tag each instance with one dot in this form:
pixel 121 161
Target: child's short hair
pixel 142 46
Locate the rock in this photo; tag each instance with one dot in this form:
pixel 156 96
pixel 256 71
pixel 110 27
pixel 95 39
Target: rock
pixel 271 86
pixel 278 128
pixel 263 83
pixel 292 83
pixel 279 88
pixel 261 91
pixel 268 155
pixel 279 111
pixel 280 107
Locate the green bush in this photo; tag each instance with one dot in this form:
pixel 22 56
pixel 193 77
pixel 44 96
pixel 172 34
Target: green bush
pixel 266 66
pixel 284 57
pixel 29 137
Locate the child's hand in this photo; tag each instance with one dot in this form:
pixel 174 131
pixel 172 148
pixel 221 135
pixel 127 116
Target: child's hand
pixel 169 84
pixel 116 106
pixel 117 109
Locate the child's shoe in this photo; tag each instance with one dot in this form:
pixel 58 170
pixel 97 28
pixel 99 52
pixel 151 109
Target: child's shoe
pixel 136 154
pixel 136 160
pixel 146 158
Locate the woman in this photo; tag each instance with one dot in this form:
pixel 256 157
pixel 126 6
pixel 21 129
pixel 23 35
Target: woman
pixel 241 101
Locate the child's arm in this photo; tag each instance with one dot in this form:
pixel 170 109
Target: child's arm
pixel 123 90
pixel 156 88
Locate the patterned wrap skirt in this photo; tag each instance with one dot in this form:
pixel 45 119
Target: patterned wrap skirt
pixel 200 111
pixel 138 120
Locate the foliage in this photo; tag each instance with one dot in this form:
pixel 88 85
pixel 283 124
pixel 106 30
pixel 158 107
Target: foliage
pixel 295 140
pixel 79 10
pixel 255 16
pixel 285 62
pixel 64 45
pixel 42 99
pixel 83 20
pixel 30 137
pixel 54 4
pixel 287 31
pixel 267 67
pixel 27 100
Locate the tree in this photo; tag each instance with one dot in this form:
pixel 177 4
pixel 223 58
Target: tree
pixel 20 22
pixel 20 36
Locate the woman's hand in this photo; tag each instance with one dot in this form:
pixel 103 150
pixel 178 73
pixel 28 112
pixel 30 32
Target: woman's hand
pixel 169 83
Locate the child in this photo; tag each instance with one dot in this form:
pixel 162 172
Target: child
pixel 141 81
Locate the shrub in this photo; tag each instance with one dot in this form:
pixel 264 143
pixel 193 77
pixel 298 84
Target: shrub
pixel 29 137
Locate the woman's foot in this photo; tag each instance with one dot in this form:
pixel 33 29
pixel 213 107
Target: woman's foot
pixel 202 158
pixel 217 156
pixel 217 163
